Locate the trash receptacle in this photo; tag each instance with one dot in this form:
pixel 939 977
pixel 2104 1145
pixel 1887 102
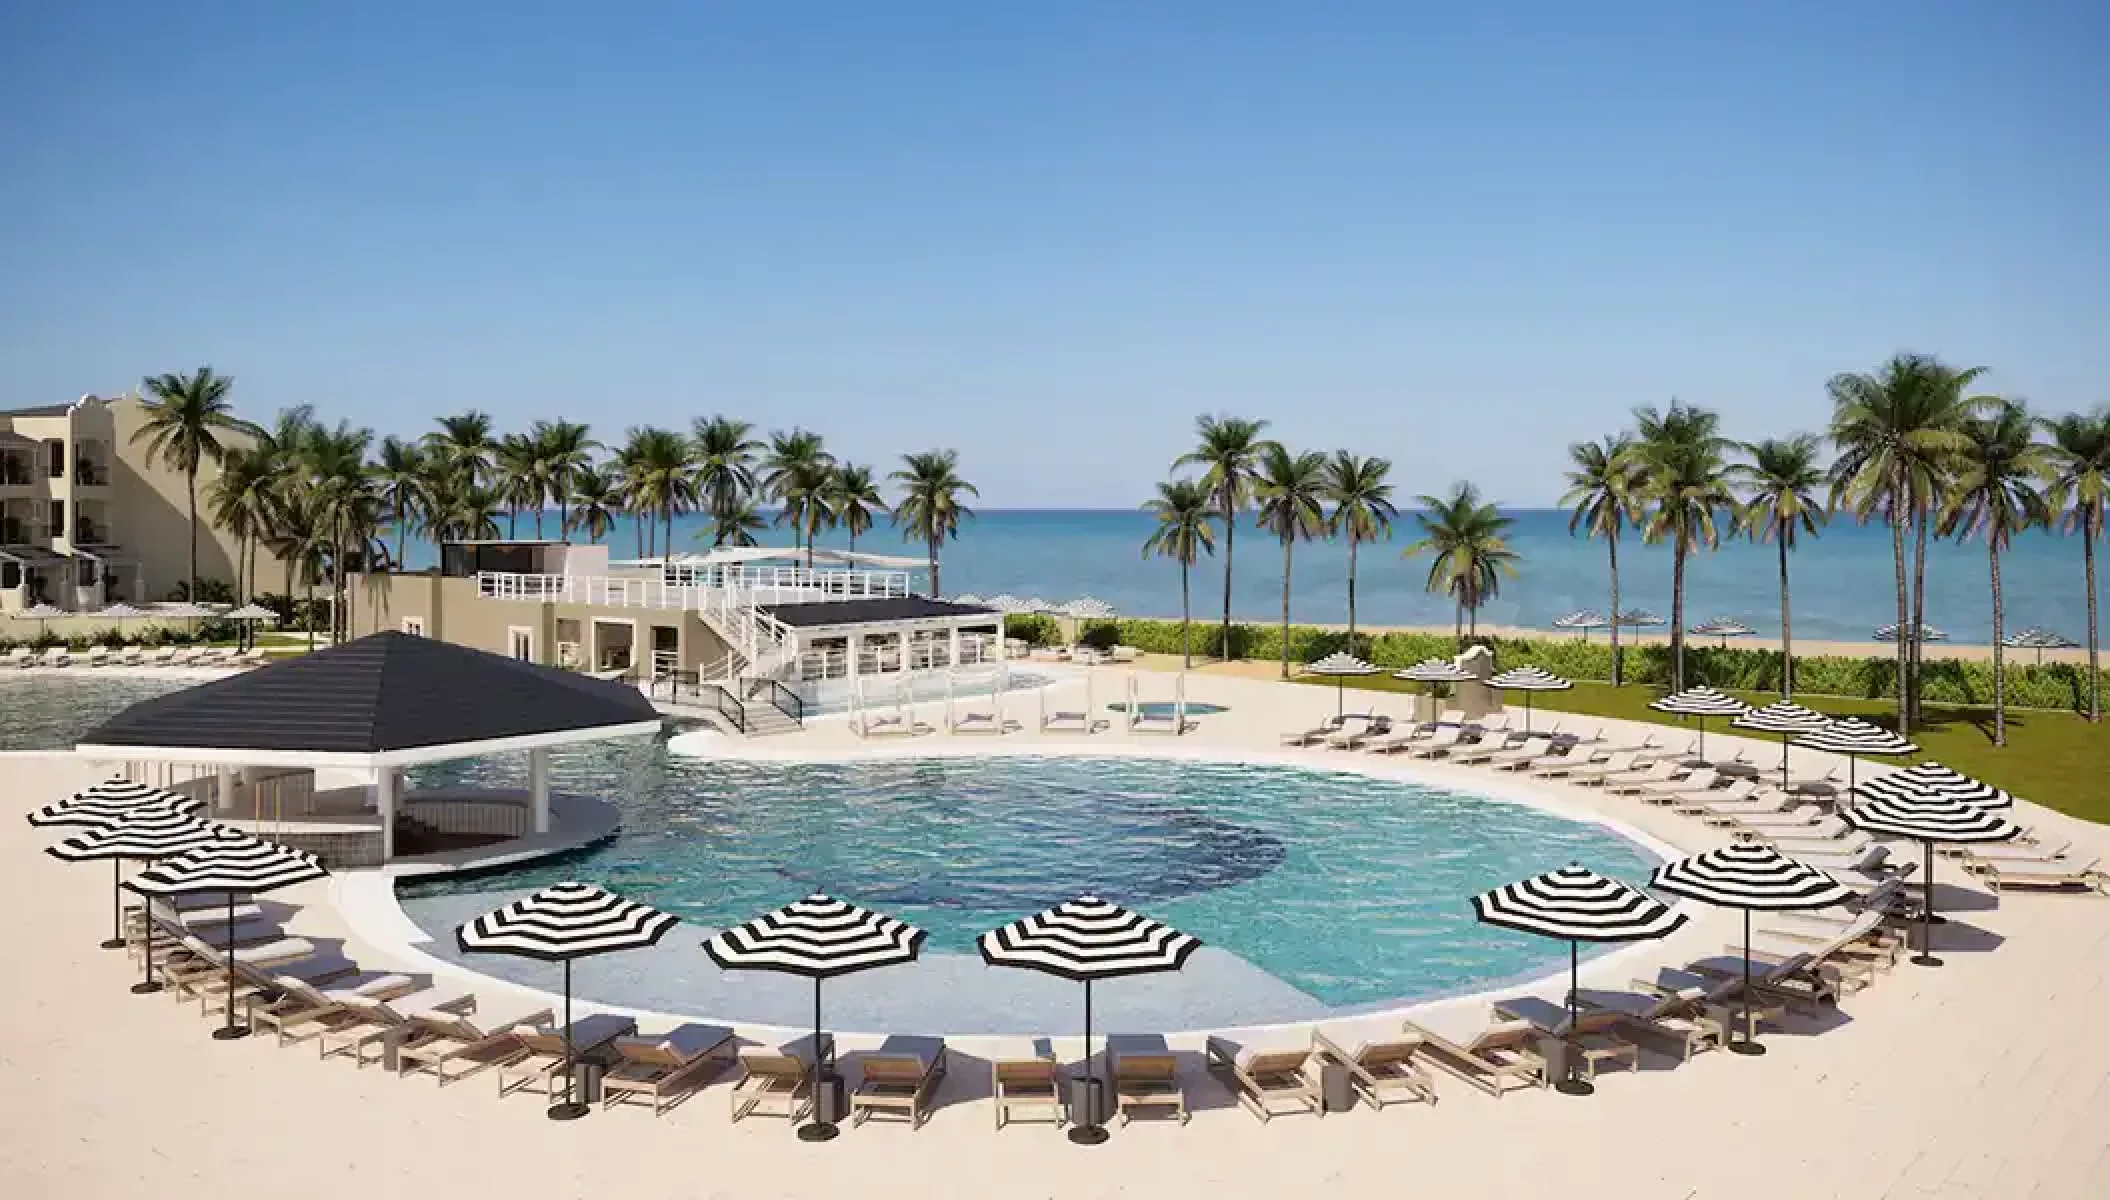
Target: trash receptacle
pixel 828 1100
pixel 1336 1088
pixel 1088 1101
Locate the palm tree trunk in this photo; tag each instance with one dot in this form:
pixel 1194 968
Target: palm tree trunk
pixel 1677 615
pixel 667 512
pixel 190 483
pixel 637 525
pixel 1186 619
pixel 512 519
pixel 1897 556
pixel 538 522
pixel 1287 545
pixel 401 517
pixel 1612 545
pixel 1351 593
pixel 1787 643
pixel 1999 668
pixel 2088 536
pixel 931 544
pixel 1919 608
pixel 564 515
pixel 1230 535
pixel 1458 627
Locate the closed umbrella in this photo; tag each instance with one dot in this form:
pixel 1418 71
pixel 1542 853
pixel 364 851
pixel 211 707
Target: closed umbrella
pixel 1528 680
pixel 558 924
pixel 1085 940
pixel 820 938
pixel 1701 703
pixel 1929 819
pixel 109 805
pixel 1340 665
pixel 1580 905
pixel 1854 737
pixel 144 836
pixel 1787 719
pixel 1749 876
pixel 247 866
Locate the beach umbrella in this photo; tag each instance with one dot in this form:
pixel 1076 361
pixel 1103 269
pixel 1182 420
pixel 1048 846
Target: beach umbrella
pixel 145 835
pixel 39 613
pixel 1086 940
pixel 1528 680
pixel 820 938
pixel 562 922
pixel 1931 779
pixel 1584 620
pixel 1089 608
pixel 246 866
pixel 1005 602
pixel 1640 617
pixel 1785 718
pixel 1340 665
pixel 967 598
pixel 1749 876
pixel 107 804
pixel 1930 819
pixel 1723 628
pixel 1035 604
pixel 248 615
pixel 122 612
pixel 1927 633
pixel 1701 703
pixel 1854 737
pixel 1433 671
pixel 1579 905
pixel 2039 640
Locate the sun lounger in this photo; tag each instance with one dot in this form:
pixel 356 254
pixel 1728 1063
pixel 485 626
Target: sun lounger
pixel 1863 862
pixel 1593 1037
pixel 1791 842
pixel 1762 815
pixel 98 656
pixel 20 656
pixel 1698 804
pixel 1722 998
pixel 1588 773
pixel 1146 1077
pixel 1270 1077
pixel 775 1080
pixel 2010 852
pixel 1023 1077
pixel 253 981
pixel 1401 738
pixel 57 656
pixel 1352 739
pixel 666 1068
pixel 304 1008
pixel 1681 1017
pixel 1314 735
pixel 371 1023
pixel 1637 781
pixel 1532 749
pixel 1495 1059
pixel 195 972
pixel 541 1066
pixel 2072 876
pixel 1811 977
pixel 1844 970
pixel 452 1047
pixel 899 1079
pixel 1551 766
pixel 1381 1071
pixel 252 657
pixel 1436 746
pixel 1697 783
pixel 1484 751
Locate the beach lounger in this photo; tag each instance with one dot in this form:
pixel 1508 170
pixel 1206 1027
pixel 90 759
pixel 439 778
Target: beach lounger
pixel 1023 1078
pixel 1438 745
pixel 1353 739
pixel 1864 862
pixel 252 657
pixel 131 656
pixel 1381 1071
pixel 1791 842
pixel 775 1080
pixel 1593 1037
pixel 372 1023
pixel 160 657
pixel 1532 750
pixel 2009 852
pixel 194 969
pixel 1845 969
pixel 2074 876
pixel 253 981
pixel 1314 735
pixel 1482 751
pixel 57 656
pixel 1681 1017
pixel 899 1079
pixel 666 1068
pixel 1502 1056
pixel 303 1007
pixel 1401 739
pixel 1698 804
pixel 1598 772
pixel 1269 1077
pixel 1697 783
pixel 1636 781
pixel 1146 1078
pixel 1551 766
pixel 20 656
pixel 98 656
pixel 1763 814
pixel 1810 978
pixel 541 1066
pixel 1719 997
pixel 452 1047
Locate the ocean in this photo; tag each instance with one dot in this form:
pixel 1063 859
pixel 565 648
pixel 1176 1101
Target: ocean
pixel 1842 579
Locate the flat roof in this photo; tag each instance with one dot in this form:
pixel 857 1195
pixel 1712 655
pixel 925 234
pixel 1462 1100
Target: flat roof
pixel 40 410
pixel 871 612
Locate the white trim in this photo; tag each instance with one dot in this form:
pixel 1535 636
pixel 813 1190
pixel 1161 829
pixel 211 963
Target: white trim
pixel 413 756
pixel 593 640
pixel 514 630
pixel 414 626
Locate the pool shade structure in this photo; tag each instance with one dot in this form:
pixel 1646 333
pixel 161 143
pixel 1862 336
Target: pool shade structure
pixel 1931 779
pixel 1579 905
pixel 1340 666
pixel 1582 620
pixel 244 867
pixel 1723 628
pixel 820 938
pixel 1752 877
pixel 109 805
pixel 1786 718
pixel 1087 940
pixel 1854 738
pixel 562 922
pixel 2038 639
pixel 1930 819
pixel 1701 703
pixel 147 835
pixel 1528 680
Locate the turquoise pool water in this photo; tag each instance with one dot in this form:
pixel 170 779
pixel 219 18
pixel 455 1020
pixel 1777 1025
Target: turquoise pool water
pixel 50 710
pixel 1350 890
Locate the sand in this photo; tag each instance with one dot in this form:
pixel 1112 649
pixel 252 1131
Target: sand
pixel 1986 1078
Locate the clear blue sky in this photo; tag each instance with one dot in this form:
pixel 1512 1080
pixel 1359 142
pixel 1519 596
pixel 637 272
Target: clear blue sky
pixel 1049 235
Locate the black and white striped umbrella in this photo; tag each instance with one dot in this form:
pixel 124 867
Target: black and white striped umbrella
pixel 1089 608
pixel 1928 633
pixel 1930 819
pixel 820 938
pixel 109 804
pixel 1786 718
pixel 1701 703
pixel 1083 940
pixel 246 865
pixel 1723 628
pixel 562 922
pixel 1584 619
pixel 148 833
pixel 1854 737
pixel 1340 665
pixel 2038 639
pixel 1579 905
pixel 1528 680
pixel 1931 780
pixel 1433 671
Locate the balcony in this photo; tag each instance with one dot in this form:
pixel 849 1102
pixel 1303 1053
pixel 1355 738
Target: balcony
pixel 16 472
pixel 15 532
pixel 91 474
pixel 88 533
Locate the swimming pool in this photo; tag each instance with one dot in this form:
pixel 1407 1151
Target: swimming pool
pixel 1318 892
pixel 1165 708
pixel 50 710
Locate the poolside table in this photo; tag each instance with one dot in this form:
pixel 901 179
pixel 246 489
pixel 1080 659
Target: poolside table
pixel 1737 770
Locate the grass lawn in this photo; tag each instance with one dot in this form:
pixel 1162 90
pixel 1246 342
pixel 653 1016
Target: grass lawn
pixel 2056 759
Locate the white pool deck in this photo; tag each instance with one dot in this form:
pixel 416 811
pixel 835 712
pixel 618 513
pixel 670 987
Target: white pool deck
pixel 1987 1078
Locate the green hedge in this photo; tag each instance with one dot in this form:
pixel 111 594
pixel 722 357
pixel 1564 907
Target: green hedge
pixel 1942 681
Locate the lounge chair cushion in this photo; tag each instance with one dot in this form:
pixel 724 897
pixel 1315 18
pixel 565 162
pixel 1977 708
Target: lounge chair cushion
pixel 1246 1047
pixel 683 1041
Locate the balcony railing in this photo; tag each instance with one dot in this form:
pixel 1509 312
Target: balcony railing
pixel 22 533
pixel 15 472
pixel 91 475
pixel 89 534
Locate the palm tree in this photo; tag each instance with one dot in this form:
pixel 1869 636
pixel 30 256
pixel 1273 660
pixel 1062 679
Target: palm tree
pixel 563 454
pixel 660 481
pixel 737 526
pixel 1291 491
pixel 1894 430
pixel 403 476
pixel 465 441
pixel 628 465
pixel 725 465
pixel 2080 491
pixel 1464 536
pixel 466 510
pixel 791 473
pixel 804 487
pixel 1995 495
pixel 1781 482
pixel 1228 450
pixel 929 510
pixel 183 423
pixel 340 486
pixel 299 537
pixel 1182 510
pixel 853 499
pixel 1684 484
pixel 596 499
pixel 1362 508
pixel 519 478
pixel 1603 482
pixel 239 500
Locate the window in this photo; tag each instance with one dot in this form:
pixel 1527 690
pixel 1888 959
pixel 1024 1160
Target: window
pixel 10 575
pixel 520 643
pixel 85 577
pixel 55 454
pixel 57 525
pixel 414 626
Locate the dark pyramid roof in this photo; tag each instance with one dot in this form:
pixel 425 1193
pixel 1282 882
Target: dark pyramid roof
pixel 380 693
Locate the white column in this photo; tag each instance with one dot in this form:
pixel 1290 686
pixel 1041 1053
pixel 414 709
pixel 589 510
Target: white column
pixel 223 791
pixel 538 787
pixel 855 651
pixel 385 804
pixel 952 637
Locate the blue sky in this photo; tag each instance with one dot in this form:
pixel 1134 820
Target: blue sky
pixel 1050 235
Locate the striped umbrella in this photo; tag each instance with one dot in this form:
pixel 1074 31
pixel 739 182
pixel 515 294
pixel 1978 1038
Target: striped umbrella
pixel 148 834
pixel 243 866
pixel 1723 628
pixel 2038 639
pixel 1088 608
pixel 109 803
pixel 1749 876
pixel 1528 680
pixel 1340 665
pixel 558 924
pixel 1928 633
pixel 1084 940
pixel 1930 818
pixel 820 938
pixel 1034 604
pixel 1931 779
pixel 1639 617
pixel 1580 905
pixel 1786 718
pixel 1584 619
pixel 1701 703
pixel 1854 737
pixel 1433 671
pixel 967 598
pixel 1004 602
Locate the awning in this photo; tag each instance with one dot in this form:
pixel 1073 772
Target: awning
pixel 33 556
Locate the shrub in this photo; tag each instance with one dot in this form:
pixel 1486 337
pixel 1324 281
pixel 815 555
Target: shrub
pixel 1100 635
pixel 1037 629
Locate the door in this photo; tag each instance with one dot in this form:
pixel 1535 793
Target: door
pixel 521 643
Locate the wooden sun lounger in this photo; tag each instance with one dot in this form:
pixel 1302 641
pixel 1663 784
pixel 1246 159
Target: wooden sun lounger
pixel 298 1008
pixel 452 1047
pixel 1314 735
pixel 371 1023
pixel 1400 739
pixel 1681 1017
pixel 1353 739
pixel 1533 750
pixel 1382 1071
pixel 1268 1079
pixel 1594 1037
pixel 1146 1081
pixel 2075 877
pixel 1719 997
pixel 1025 1078
pixel 899 1079
pixel 773 1082
pixel 2010 852
pixel 1440 744
pixel 541 1067
pixel 666 1068
pixel 1504 1055
pixel 1662 772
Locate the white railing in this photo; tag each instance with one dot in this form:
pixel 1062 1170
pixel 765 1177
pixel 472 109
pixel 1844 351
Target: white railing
pixel 602 590
pixel 793 584
pixel 928 655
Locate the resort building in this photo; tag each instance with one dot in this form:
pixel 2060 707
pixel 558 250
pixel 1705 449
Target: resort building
pixel 753 628
pixel 86 520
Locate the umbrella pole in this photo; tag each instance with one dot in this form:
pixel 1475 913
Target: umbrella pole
pixel 146 986
pixel 1743 1042
pixel 1088 1132
pixel 116 940
pixel 817 1130
pixel 1925 958
pixel 230 1031
pixel 1703 735
pixel 570 1109
pixel 1527 712
pixel 1569 1084
pixel 1783 762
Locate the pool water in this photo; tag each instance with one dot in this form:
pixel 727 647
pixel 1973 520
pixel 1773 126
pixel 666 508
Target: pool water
pixel 1353 891
pixel 50 711
pixel 1166 708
